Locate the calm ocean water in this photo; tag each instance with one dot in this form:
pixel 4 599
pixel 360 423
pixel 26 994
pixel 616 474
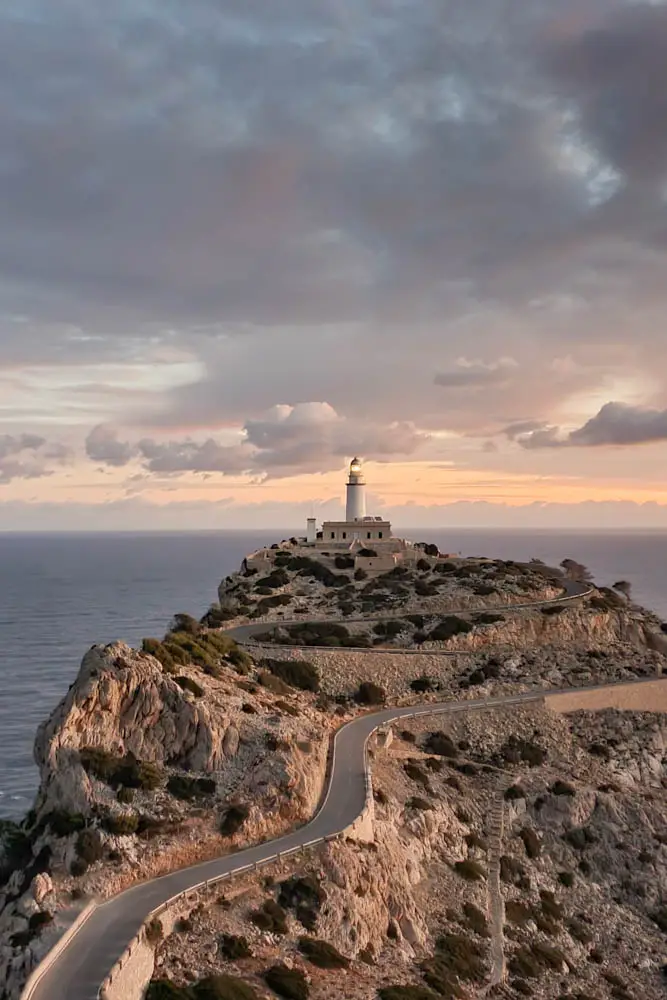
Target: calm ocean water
pixel 59 594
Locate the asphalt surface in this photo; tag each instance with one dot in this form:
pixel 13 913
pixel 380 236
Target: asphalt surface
pixel 80 970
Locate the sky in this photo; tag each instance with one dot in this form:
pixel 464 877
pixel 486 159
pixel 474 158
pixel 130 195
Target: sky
pixel 240 244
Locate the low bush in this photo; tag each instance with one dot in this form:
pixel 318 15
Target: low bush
pixel 305 896
pixel 566 879
pixel 62 823
pixel 531 842
pixel 154 931
pixel 470 870
pixel 322 954
pixel 165 989
pixel 89 846
pixel 121 825
pixel 369 693
pixel 476 920
pixel 440 744
pixel 240 660
pixel 553 609
pixel 291 984
pixel 296 673
pixel 448 627
pixel 272 917
pixel 233 819
pixel 415 773
pixel 423 805
pixel 273 683
pixel 514 792
pixel 344 562
pixel 488 618
pixel 360 574
pixel 188 684
pixel 517 912
pixel 234 947
pixel 223 988
pixel 516 750
pixel 562 788
pixel 182 786
pixel 420 685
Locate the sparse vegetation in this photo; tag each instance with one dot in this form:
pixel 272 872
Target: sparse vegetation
pixel 295 673
pixel 322 954
pixel 291 984
pixel 234 947
pixel 184 787
pixel 233 819
pixel 369 693
pixel 470 870
pixel 271 917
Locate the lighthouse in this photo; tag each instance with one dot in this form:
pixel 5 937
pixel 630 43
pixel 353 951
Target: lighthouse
pixel 355 509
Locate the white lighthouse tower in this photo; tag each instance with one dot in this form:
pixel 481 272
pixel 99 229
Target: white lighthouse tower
pixel 356 493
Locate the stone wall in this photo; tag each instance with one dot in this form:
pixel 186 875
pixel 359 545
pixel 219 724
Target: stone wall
pixel 650 696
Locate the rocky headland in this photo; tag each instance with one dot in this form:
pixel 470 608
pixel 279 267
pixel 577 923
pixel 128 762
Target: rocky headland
pixel 514 852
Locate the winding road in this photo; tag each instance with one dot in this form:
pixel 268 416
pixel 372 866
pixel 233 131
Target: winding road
pixel 78 972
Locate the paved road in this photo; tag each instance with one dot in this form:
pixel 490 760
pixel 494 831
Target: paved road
pixel 79 971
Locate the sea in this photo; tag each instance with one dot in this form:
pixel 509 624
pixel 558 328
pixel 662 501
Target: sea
pixel 60 594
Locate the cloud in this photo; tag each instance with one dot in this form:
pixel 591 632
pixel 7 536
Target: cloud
pixel 285 440
pixel 469 374
pixel 28 456
pixel 614 424
pixel 103 445
pixel 619 424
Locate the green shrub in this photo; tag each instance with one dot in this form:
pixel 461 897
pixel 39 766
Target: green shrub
pixel 414 771
pixel 182 786
pixel 291 984
pixel 423 805
pixel 440 744
pixel 125 795
pixel 531 842
pixel 89 846
pixel 305 896
pixel 188 684
pixel 450 626
pixel 154 931
pixel 62 823
pixel 517 912
pixel 233 819
pixel 470 870
pixel 155 648
pixel 476 920
pixel 234 947
pixel 240 660
pixel 488 618
pixel 360 574
pixel 322 954
pixel 182 622
pixel 39 920
pixel 273 683
pixel 566 879
pixel 460 956
pixel 297 673
pixel 272 917
pixel 223 988
pixel 553 609
pixel 516 750
pixel 121 825
pixel 422 684
pixel 78 867
pixel 514 792
pixel 164 989
pixel 562 788
pixel 369 693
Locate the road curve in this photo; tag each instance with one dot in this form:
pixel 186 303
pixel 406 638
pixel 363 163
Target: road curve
pixel 80 969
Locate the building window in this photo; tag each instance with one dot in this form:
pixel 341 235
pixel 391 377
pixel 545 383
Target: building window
pixel 333 534
pixel 379 534
pixel 345 534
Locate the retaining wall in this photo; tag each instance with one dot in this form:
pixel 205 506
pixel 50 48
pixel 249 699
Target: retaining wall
pixel 650 696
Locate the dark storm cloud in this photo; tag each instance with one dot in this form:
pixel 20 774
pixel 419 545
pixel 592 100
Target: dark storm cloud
pixel 615 68
pixel 615 424
pixel 150 168
pixel 103 445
